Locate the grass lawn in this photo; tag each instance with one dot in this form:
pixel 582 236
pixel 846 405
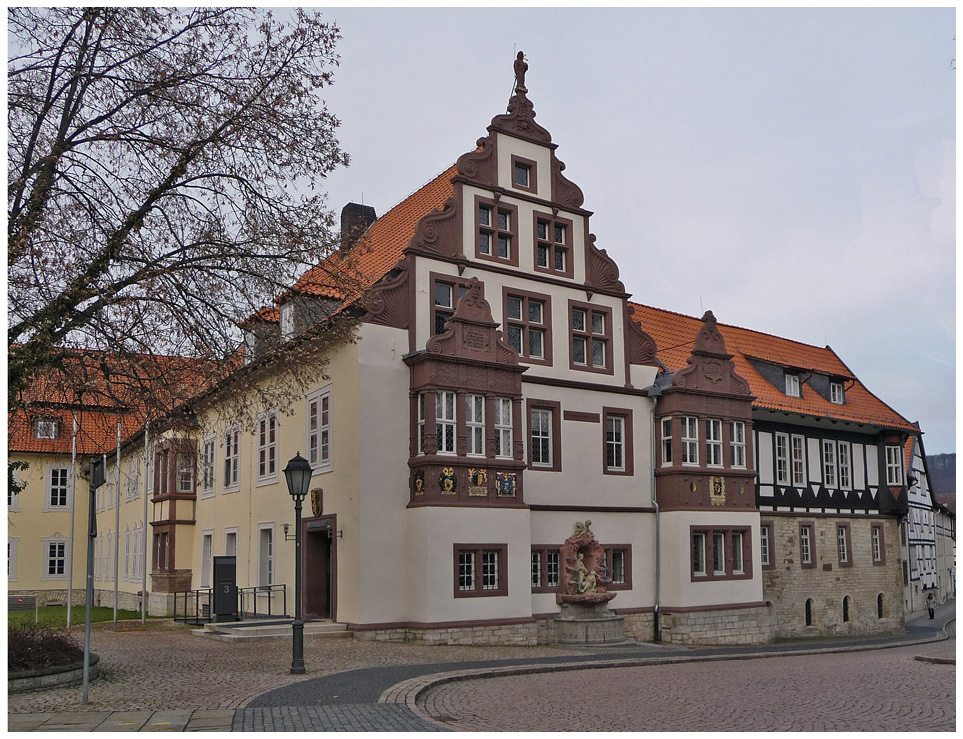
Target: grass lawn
pixel 56 616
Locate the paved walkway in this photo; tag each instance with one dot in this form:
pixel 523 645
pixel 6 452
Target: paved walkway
pixel 352 685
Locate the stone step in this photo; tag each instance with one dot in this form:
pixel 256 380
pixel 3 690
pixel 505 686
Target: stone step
pixel 274 631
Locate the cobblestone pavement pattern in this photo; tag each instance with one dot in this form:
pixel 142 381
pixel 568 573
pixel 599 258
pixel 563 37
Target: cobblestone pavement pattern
pixel 163 666
pixel 880 690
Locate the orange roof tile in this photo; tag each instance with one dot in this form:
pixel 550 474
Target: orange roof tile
pixel 381 246
pixel 674 335
pixel 96 431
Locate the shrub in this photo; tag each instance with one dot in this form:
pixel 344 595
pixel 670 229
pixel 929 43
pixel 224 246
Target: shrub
pixel 33 648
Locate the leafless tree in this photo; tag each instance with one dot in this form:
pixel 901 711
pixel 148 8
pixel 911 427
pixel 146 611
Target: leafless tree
pixel 163 175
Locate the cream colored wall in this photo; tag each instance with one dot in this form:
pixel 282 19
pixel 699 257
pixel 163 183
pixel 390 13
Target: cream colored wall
pixel 636 529
pixel 380 571
pixel 432 534
pixel 508 146
pixel 676 588
pixel 28 524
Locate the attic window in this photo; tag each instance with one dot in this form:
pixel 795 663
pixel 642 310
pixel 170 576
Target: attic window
pixel 792 386
pixel 836 393
pixel 46 428
pixel 524 174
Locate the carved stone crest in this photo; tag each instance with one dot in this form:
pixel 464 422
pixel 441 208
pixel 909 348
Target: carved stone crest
pixel 505 484
pixel 477 481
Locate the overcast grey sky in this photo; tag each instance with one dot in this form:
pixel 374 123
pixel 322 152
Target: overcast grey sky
pixel 791 169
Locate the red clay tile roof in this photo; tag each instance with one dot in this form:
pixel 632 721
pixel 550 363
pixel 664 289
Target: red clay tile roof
pixel 674 335
pixel 380 247
pixel 96 432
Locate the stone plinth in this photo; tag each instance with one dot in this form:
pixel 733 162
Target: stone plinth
pixel 589 623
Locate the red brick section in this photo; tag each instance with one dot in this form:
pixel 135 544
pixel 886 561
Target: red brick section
pixel 674 333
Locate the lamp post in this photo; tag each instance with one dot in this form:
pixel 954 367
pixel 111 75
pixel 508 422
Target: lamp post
pixel 298 476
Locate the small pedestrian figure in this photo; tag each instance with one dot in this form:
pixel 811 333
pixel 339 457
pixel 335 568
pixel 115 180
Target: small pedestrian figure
pixel 931 603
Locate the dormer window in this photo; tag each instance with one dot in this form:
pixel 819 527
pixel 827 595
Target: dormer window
pixel 836 393
pixel 524 174
pixel 792 386
pixel 287 321
pixel 46 428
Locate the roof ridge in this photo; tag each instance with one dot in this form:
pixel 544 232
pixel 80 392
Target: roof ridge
pixel 743 328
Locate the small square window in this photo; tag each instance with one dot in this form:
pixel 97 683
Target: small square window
pixel 522 175
pixel 46 428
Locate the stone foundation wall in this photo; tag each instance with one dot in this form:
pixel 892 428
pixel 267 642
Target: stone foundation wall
pixel 730 626
pixel 510 634
pixel 640 626
pixel 788 586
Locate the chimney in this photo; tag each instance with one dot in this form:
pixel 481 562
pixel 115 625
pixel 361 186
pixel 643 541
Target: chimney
pixel 355 220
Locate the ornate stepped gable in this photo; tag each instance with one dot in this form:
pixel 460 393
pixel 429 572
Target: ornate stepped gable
pixel 709 366
pixel 472 332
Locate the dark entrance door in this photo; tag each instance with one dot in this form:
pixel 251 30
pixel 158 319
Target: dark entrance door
pixel 317 574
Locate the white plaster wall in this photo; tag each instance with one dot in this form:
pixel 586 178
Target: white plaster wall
pixel 432 534
pixel 508 146
pixel 872 466
pixel 815 461
pixel 859 466
pixel 383 444
pixel 764 458
pixel 677 589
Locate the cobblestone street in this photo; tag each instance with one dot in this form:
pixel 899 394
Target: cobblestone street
pixel 881 690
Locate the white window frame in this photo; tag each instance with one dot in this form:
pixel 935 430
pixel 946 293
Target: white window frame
pixel 446 416
pixel 615 447
pixel 690 441
pixel 837 394
pixel 713 442
pixel 737 443
pixel 806 545
pixel 830 474
pixel 266 560
pixel 466 570
pixel 718 553
pixel 699 546
pixel 65 485
pixel 503 428
pixel 318 429
pixel 207 558
pixel 541 431
pixel 184 472
pixel 46 542
pixel 286 320
pixel 228 532
pixel 127 553
pixel 489 571
pixel 475 424
pixel 876 538
pixel 842 546
pixel 232 460
pixel 844 459
pixel 738 558
pixel 894 465
pixel 667 442
pixel 781 458
pixel 46 427
pixel 208 464
pixel 267 448
pixel 765 552
pixel 421 422
pixel 798 460
pixel 793 386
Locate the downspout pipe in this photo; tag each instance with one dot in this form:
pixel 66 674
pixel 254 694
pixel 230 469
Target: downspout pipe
pixel 655 392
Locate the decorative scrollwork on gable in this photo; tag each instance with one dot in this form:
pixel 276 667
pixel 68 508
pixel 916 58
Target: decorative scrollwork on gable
pixel 437 233
pixel 601 271
pixel 710 366
pixel 565 192
pixel 639 346
pixel 388 301
pixel 480 165
pixel 520 121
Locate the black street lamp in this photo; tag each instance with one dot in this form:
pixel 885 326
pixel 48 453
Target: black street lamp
pixel 298 476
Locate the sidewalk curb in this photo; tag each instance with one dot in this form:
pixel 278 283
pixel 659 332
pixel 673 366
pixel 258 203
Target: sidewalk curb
pixel 411 691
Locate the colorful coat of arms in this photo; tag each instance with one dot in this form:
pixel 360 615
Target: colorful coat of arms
pixel 505 483
pixel 477 481
pixel 447 480
pixel 317 501
pixel 418 481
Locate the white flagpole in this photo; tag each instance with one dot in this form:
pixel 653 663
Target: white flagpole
pixel 117 526
pixel 73 508
pixel 143 553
